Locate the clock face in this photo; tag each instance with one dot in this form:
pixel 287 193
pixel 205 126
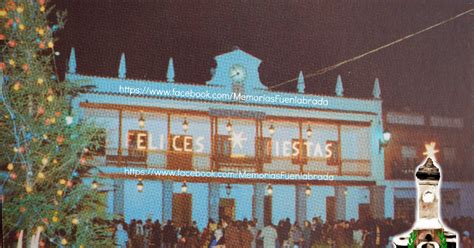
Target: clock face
pixel 237 73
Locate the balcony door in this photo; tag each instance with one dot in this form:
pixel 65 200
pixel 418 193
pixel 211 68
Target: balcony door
pixel 182 209
pixel 180 153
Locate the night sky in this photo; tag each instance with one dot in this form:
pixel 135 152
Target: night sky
pixel 430 72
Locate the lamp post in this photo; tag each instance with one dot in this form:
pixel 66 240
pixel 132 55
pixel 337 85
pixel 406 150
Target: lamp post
pixel 185 125
pixel 269 189
pixel 140 185
pixel 184 188
pixel 309 131
pixel 229 126
pixel 386 136
pixel 94 184
pixel 307 191
pixel 228 188
pixel 141 120
pixel 271 129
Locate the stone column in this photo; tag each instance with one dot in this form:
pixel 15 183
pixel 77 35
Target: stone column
pixel 377 201
pixel 259 203
pixel 119 197
pixel 167 201
pixel 213 201
pixel 300 206
pixel 340 194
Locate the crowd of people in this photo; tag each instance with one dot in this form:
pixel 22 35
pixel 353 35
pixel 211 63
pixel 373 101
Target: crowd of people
pixel 228 233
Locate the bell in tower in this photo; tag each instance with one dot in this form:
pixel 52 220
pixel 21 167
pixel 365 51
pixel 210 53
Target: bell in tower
pixel 428 230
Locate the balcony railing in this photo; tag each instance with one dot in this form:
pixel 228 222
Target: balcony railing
pixel 203 162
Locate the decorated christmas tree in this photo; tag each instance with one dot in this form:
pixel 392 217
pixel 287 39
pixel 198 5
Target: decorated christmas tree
pixel 45 150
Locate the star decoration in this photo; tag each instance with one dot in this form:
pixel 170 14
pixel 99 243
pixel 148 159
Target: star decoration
pixel 237 140
pixel 430 150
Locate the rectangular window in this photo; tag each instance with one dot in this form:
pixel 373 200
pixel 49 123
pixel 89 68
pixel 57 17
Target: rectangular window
pixel 181 143
pixel 335 158
pixel 180 155
pixel 296 157
pixel 449 155
pixel 408 152
pixel 264 148
pixel 224 146
pixel 137 143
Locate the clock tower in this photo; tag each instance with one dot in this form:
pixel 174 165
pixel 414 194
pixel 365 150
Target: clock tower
pixel 237 69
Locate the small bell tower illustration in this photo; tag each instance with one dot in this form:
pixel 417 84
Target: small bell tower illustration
pixel 428 230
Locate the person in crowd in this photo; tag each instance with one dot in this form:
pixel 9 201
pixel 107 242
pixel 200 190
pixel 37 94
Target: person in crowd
pixel 121 237
pixel 218 240
pixel 246 236
pixel 296 235
pixel 139 235
pixel 254 231
pixel 147 228
pixel 306 234
pixel 232 235
pixel 466 240
pixel 131 230
pixel 207 235
pixel 169 235
pixel 269 235
pixel 357 236
pixel 156 235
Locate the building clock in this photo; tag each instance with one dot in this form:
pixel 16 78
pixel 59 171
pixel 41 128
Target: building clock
pixel 237 73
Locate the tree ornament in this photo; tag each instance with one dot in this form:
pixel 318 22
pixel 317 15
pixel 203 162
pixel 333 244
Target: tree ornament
pixel 21 27
pixel 2 66
pixel 69 120
pixel 50 44
pixel 41 2
pixel 40 81
pixel 64 241
pixel 28 189
pixel 40 31
pixel 41 175
pixel 11 5
pixel 42 8
pixel 17 86
pixel 75 221
pixel 20 9
pixel 69 184
pixel 55 219
pixel 83 161
pixel 13 175
pixel 11 62
pixel 59 192
pixel 3 13
pixel 22 209
pixel 2 37
pixel 25 67
pixel 10 166
pixel 60 139
pixel 62 181
pixel 44 161
pixel 50 98
pixel 21 149
pixel 52 120
pixel 41 111
pixel 55 161
pixel 12 43
pixel 41 45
